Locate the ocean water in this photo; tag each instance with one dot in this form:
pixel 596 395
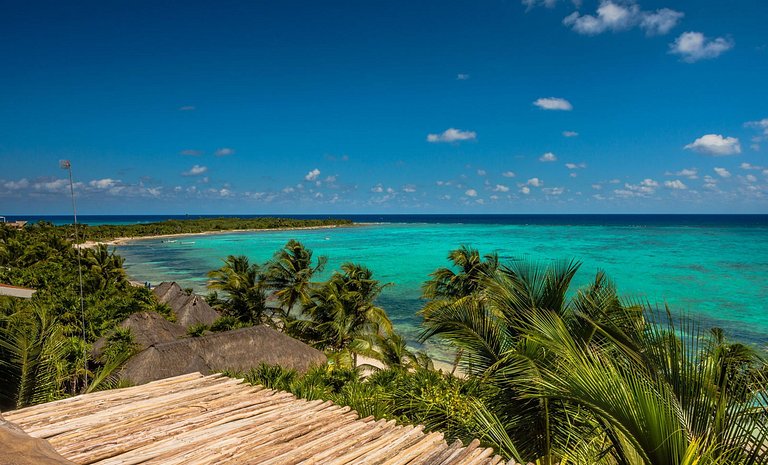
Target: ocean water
pixel 713 268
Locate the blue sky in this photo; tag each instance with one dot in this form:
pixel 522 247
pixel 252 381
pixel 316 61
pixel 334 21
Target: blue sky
pixel 385 107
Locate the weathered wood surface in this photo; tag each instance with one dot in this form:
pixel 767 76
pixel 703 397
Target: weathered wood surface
pixel 195 419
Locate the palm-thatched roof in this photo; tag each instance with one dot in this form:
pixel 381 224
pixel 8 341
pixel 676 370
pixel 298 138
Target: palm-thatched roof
pixel 196 420
pixel 147 329
pixel 189 309
pixel 19 448
pixel 240 349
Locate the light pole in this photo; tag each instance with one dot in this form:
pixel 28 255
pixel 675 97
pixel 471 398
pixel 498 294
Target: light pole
pixel 66 165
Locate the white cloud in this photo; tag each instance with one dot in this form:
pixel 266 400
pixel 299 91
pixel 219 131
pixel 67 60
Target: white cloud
pixel 548 157
pixel 462 76
pixel 535 182
pixel 187 108
pixel 676 184
pixel 288 190
pixel 470 193
pixel 761 124
pixel 223 152
pixel 378 188
pixel 312 175
pixel 570 134
pixel 751 178
pixel 690 173
pixel 553 190
pixel 534 3
pixel 597 187
pixel 196 170
pixel 105 183
pixel 647 182
pixel 694 46
pixel 618 16
pixel 525 190
pixel 553 103
pixel 481 172
pixel 452 135
pixel 22 183
pixel 715 145
pixel 575 166
pixel 501 188
pixel 749 166
pixel 722 172
pixel 645 188
pixel 409 188
pixel 660 22
pixel 508 174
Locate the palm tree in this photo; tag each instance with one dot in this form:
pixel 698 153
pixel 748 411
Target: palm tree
pixel 105 267
pixel 585 379
pixel 290 274
pixel 448 286
pixel 342 315
pixel 242 282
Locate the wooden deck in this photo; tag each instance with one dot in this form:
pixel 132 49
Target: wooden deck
pixel 196 419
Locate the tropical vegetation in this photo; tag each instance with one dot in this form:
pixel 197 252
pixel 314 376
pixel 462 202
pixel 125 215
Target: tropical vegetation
pixel 544 372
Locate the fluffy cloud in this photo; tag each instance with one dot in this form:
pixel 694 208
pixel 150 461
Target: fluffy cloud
pixel 22 183
pixel 722 172
pixel 535 182
pixel 312 175
pixel 575 166
pixel 676 184
pixel 481 172
pixel 501 188
pixel 694 46
pixel 553 103
pixel 525 190
pixel 553 190
pixel 508 174
pixel 105 183
pixel 409 188
pixel 690 173
pixel 223 152
pixel 761 125
pixel 534 3
pixel 621 16
pixel 548 157
pixel 470 193
pixel 715 145
pixel 196 170
pixel 570 134
pixel 645 188
pixel 452 135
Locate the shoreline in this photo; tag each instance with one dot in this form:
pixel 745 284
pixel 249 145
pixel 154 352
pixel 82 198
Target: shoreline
pixel 118 241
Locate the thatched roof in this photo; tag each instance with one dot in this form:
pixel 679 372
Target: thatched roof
pixel 189 309
pixel 147 329
pixel 19 448
pixel 240 349
pixel 196 420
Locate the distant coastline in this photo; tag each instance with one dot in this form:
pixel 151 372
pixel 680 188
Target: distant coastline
pixel 125 240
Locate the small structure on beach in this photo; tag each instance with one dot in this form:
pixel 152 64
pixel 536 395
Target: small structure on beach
pixel 239 350
pixel 189 308
pixel 16 291
pixel 201 420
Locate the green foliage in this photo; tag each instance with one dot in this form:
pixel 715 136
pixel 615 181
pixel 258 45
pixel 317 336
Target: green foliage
pixel 226 323
pixel 108 232
pixel 197 330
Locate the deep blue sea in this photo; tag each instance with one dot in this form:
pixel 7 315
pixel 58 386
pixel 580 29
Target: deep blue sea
pixel 712 267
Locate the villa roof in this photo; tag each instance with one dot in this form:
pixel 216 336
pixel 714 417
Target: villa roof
pixel 190 309
pixel 196 420
pixel 16 291
pixel 240 349
pixel 147 329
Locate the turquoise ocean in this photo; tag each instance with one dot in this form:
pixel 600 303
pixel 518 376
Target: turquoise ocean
pixel 712 268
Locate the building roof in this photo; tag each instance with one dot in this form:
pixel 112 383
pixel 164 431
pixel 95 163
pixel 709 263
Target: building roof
pixel 147 329
pixel 190 309
pixel 196 420
pixel 15 291
pixel 239 349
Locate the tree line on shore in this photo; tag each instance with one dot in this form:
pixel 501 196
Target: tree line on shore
pixel 549 374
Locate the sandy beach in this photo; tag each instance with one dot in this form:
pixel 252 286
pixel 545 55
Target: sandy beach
pixel 124 240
